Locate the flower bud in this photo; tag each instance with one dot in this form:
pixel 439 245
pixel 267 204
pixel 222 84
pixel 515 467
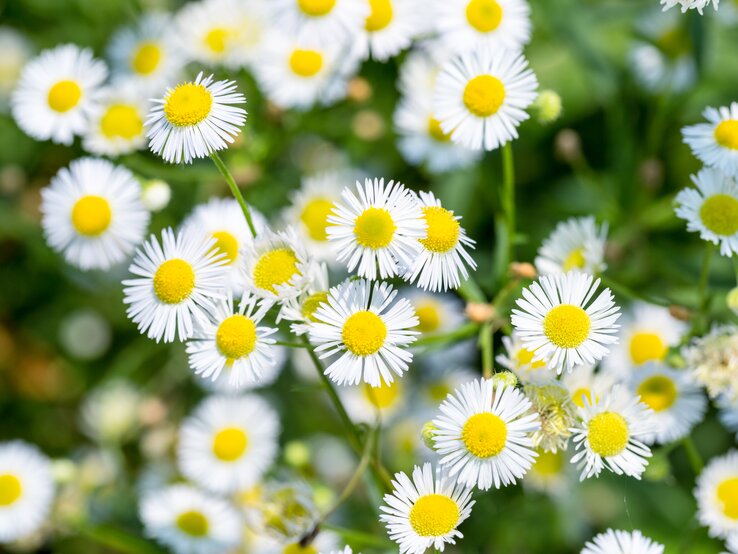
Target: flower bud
pixel 479 312
pixel 548 106
pixel 507 378
pixel 427 434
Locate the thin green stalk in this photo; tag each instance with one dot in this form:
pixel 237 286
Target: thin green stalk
pixel 290 344
pixel 508 198
pixel 702 315
pixel 623 290
pixel 735 268
pixel 485 343
pixel 695 460
pixel 460 333
pixel 234 190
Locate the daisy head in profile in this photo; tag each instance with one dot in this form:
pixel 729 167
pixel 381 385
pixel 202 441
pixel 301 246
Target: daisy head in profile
pixel 56 91
pixel 610 435
pixel 711 209
pixel 558 320
pixel 195 119
pixel 377 231
pixel 577 244
pixel 483 434
pixel 716 141
pixel 92 213
pixel 425 512
pixel 481 97
pixel 366 332
pixel 717 496
pixel 622 542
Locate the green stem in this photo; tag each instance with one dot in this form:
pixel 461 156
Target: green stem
pixel 695 460
pixel 508 197
pixel 702 316
pixel 623 290
pixel 460 333
pixel 471 291
pixel 234 190
pixel 485 342
pixel 289 344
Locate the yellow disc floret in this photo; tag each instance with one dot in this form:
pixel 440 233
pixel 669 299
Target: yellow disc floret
pixel 380 16
pixel 548 463
pixel 575 260
pixel 10 489
pixel 316 7
pixel 91 215
pixel 581 395
pixel 374 228
pixel 236 337
pixel 443 229
pixel 608 434
pixel 364 333
pixel 658 392
pixel 727 493
pixel 64 96
pixel 188 104
pixel 314 217
pixel 434 515
pixel 121 121
pixel 484 435
pixel 229 444
pixel 306 63
pixel 276 267
pixel 726 134
pixel 146 58
pixel 382 396
pixel 484 15
pixel 484 95
pixel 312 303
pixel 226 245
pixel 297 548
pixel 174 281
pixel 645 347
pixel 193 523
pixel 525 357
pixel 719 213
pixel 566 326
pixel 217 39
pixel 429 317
pixel 436 132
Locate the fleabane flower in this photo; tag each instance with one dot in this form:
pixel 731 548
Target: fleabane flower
pixel 716 142
pixel 301 309
pixel 367 330
pixel 559 322
pixel 233 342
pixel 174 283
pixel 609 435
pixel 116 121
pixel 686 5
pixel 713 360
pixel 717 495
pixel 195 119
pixel 711 209
pixel 425 512
pixel 622 542
pixel 441 264
pixel 56 91
pixel 377 230
pixel 92 213
pixel 556 414
pixel 577 244
pixel 327 20
pixel 390 27
pixel 481 97
pixel 365 403
pixel 483 434
pixel 518 359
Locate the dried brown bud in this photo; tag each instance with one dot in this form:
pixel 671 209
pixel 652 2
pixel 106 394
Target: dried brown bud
pixel 679 312
pixel 359 89
pixel 568 146
pixel 479 312
pixel 523 270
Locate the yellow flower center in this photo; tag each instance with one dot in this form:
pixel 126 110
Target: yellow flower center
pixel 217 39
pixel 608 434
pixel 382 396
pixel 121 121
pixel 439 391
pixel 645 347
pixel 312 303
pixel 316 7
pixel 727 493
pixel 443 229
pixel 484 15
pixel 188 104
pixel 575 260
pixel 306 63
pixel 548 463
pixel 64 96
pixel 434 515
pixel 484 435
pixel 229 444
pixel 381 15
pixel 658 392
pixel 719 213
pixel 174 281
pixel 146 58
pixel 525 357
pixel 726 134
pixel 193 523
pixel 429 317
pixel 236 337
pixel 227 245
pixel 276 267
pixel 364 333
pixel 10 489
pixel 435 131
pixel 295 548
pixel 580 395
pixel 484 95
pixel 314 217
pixel 566 326
pixel 374 228
pixel 91 215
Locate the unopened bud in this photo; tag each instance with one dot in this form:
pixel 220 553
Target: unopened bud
pixel 359 89
pixel 479 312
pixel 523 270
pixel 679 312
pixel 568 146
pixel 507 378
pixel 427 434
pixel 732 300
pixel 156 195
pixel 548 106
pixel 296 454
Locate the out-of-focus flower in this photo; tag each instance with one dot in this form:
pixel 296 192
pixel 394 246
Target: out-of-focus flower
pixel 577 244
pixel 116 123
pixel 717 495
pixel 548 106
pixel 685 5
pixel 109 413
pixel 16 52
pixel 713 360
pixel 333 21
pixel 556 413
pixel 85 334
pixel 156 195
pixel 716 142
pixel 390 27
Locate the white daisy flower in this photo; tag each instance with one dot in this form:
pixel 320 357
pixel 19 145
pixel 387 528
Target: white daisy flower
pixel 686 5
pixel 267 377
pixel 549 473
pixel 56 91
pixel 425 512
pixel 437 313
pixel 518 359
pixel 188 520
pixel 377 231
pixel 390 27
pixel 441 263
pixel 222 32
pixel 361 324
pixel 678 403
pixel 147 53
pixel 713 360
pixel 481 97
pixel 175 283
pixel 234 342
pixel 92 213
pixel 17 50
pixel 622 542
pixel 728 412
pixel 301 309
pixel 365 403
pixel 711 209
pixel 223 220
pixel 609 435
pixel 585 385
pixel 26 490
pixel 302 73
pixel 717 495
pixel 716 142
pixel 558 323
pixel 577 244
pixel 228 442
pixel 195 119
pixel 466 25
pixel 483 434
pixel 327 20
pixel 437 387
pixel 277 265
pixel 117 121
pixel 646 334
